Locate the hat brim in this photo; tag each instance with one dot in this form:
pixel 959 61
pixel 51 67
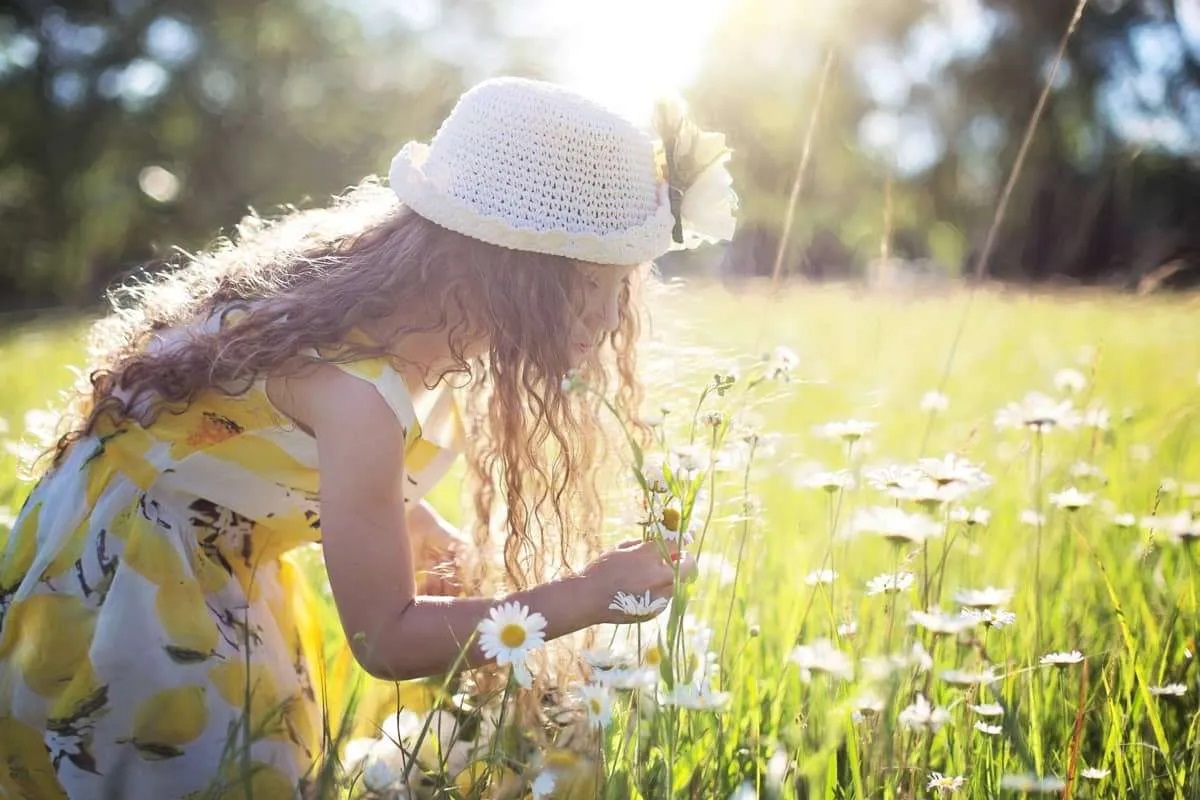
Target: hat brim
pixel 631 246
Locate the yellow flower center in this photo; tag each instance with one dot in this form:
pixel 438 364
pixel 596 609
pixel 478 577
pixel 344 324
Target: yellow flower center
pixel 671 519
pixel 512 635
pixel 653 657
pixel 595 706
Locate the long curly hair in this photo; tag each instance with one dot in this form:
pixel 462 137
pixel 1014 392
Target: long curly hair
pixel 536 453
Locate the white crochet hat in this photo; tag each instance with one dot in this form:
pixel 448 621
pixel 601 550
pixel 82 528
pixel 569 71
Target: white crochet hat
pixel 532 166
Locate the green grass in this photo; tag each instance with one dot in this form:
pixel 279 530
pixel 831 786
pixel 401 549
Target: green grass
pixel 1125 597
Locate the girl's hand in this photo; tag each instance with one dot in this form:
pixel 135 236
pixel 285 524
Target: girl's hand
pixel 634 567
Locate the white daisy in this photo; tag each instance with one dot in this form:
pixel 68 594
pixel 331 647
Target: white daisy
pixel 922 716
pixel 1063 659
pixel 989 730
pixel 1084 471
pixel 987 709
pixel 822 656
pixel 934 401
pixel 954 469
pixel 972 516
pixel 637 607
pixel 889 584
pixel 697 697
pixel 891 476
pixel 1093 773
pixel 819 577
pixel 509 634
pixel 1069 381
pixel 945 784
pixel 850 430
pixel 1096 416
pixel 1038 412
pixel 827 481
pixel 983 598
pixel 993 617
pixel 939 622
pixel 605 658
pixel 1032 518
pixel 962 677
pixel 1124 520
pixel 597 701
pixel 895 525
pixel 1169 690
pixel 1071 499
pixel 781 362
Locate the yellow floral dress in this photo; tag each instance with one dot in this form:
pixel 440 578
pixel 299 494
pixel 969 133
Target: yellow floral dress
pixel 150 598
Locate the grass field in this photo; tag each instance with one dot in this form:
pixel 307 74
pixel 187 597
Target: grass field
pixel 827 683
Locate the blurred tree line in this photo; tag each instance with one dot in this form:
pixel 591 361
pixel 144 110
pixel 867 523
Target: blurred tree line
pixel 925 107
pixel 133 126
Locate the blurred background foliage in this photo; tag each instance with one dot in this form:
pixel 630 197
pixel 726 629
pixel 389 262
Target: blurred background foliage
pixel 130 127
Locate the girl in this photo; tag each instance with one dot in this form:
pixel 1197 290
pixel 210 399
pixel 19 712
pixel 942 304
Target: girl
pixel 292 388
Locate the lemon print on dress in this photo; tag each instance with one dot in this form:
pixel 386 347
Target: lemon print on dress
pixel 261 782
pixel 150 551
pixel 167 720
pixel 266 708
pixel 16 554
pixel 25 767
pixel 190 627
pixel 46 637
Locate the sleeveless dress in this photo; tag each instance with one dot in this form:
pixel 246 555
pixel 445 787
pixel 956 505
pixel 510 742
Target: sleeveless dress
pixel 150 597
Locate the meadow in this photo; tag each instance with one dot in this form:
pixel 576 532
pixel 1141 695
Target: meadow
pixel 946 548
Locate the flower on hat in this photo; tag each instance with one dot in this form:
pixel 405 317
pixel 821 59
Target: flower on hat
pixel 692 163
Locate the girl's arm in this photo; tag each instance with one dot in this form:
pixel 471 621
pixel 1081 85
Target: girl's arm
pixel 395 633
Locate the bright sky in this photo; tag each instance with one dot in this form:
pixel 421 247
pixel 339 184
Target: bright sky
pixel 625 53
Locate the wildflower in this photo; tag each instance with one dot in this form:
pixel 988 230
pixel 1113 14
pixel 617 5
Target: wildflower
pixel 1097 417
pixel 895 525
pixel 712 419
pixel 922 716
pixel 697 697
pixel 1176 526
pixel 1032 784
pixel 828 481
pixel 509 634
pixel 1032 518
pixel 822 656
pixel 1170 690
pixel 1038 412
pixel 990 730
pixel 1124 520
pixel 628 677
pixel 847 629
pixel 632 605
pixel 1071 499
pixel 542 785
pixel 654 473
pixel 891 476
pixel 781 362
pixel 940 623
pixel 1063 659
pixel 868 704
pixel 945 783
pixel 934 401
pixel 689 461
pixel 849 431
pixel 953 469
pixel 666 524
pixel 889 584
pixel 983 598
pixel 880 668
pixel 971 516
pixel 991 617
pixel 987 709
pixel 820 576
pixel 1082 470
pixel 597 700
pixel 962 677
pixel 1093 774
pixel 1069 381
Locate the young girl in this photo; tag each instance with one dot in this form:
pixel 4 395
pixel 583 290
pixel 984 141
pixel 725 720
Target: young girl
pixel 292 388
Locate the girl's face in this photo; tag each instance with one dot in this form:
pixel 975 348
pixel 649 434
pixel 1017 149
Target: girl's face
pixel 599 307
